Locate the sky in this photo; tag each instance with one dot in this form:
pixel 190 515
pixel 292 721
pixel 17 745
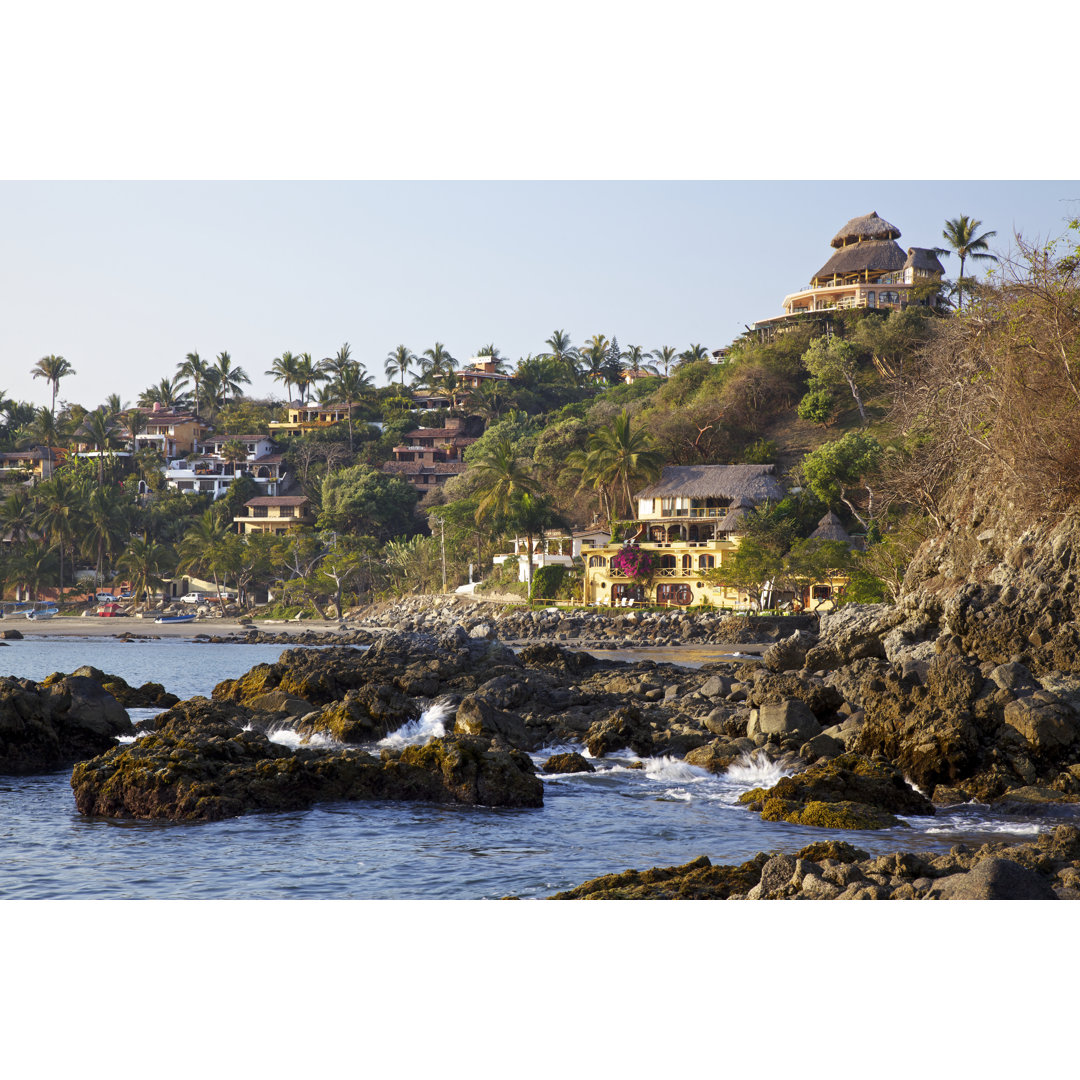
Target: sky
pixel 125 278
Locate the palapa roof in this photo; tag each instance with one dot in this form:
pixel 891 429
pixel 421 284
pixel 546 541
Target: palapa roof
pixel 923 259
pixel 744 485
pixel 830 527
pixel 867 227
pixel 875 255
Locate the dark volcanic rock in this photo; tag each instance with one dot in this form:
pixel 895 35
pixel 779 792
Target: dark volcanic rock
pixel 847 792
pixel 147 696
pixel 59 721
pixel 202 765
pixel 568 763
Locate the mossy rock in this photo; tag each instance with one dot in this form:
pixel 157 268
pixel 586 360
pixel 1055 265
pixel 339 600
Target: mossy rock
pixel 568 763
pixel 695 880
pixel 840 850
pixel 828 815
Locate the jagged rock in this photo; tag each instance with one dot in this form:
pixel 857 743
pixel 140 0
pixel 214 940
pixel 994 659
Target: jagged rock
pixel 475 716
pixel 782 719
pixel 788 654
pixel 1047 726
pixel 204 762
pixel 623 729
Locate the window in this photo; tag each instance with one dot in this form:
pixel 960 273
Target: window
pixel 706 562
pixel 597 560
pixel 625 591
pixel 870 298
pixel 668 562
pixel 821 592
pixel 674 594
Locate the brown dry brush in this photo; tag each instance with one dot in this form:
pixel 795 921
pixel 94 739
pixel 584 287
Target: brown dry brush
pixel 994 395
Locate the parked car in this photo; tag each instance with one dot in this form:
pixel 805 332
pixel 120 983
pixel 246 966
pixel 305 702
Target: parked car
pixel 127 594
pixel 194 598
pixel 105 598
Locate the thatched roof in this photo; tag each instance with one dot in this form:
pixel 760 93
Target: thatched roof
pixel 880 256
pixel 867 227
pixel 744 485
pixel 923 259
pixel 830 527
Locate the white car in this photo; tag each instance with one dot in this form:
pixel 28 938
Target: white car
pixel 193 598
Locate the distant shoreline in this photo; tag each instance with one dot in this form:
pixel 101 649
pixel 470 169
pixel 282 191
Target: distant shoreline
pixel 96 627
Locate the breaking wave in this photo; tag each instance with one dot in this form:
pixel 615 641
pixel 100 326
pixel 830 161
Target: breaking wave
pixel 431 724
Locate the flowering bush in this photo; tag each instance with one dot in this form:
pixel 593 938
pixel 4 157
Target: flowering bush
pixel 633 562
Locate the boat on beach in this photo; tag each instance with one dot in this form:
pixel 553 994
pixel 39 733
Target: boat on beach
pixel 42 613
pixel 176 618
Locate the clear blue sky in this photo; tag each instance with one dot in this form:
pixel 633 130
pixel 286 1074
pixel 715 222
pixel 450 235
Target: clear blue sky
pixel 123 279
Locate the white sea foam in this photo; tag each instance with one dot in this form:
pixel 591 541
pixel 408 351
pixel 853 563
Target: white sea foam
pixel 431 724
pixel 967 826
pixel 756 770
pixel 286 736
pixel 669 768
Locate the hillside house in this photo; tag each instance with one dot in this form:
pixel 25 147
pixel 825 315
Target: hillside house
pixel 689 523
pixel 430 456
pixel 274 514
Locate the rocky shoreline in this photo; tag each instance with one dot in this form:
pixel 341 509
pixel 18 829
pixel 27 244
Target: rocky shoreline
pixel 881 712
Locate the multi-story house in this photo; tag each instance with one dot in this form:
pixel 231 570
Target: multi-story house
pixel 304 418
pixel 430 456
pixel 172 432
pixel 868 269
pixel 689 522
pixel 274 514
pixel 555 548
pixel 210 474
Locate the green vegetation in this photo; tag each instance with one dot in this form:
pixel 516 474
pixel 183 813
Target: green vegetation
pixel 868 413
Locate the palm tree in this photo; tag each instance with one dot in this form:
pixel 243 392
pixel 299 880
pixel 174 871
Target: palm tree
pixel 491 351
pixel 45 428
pixel 52 369
pixel 594 354
pixel 203 547
pixel 134 422
pixel 501 479
pixel 563 352
pixel 57 514
pixel 960 234
pixel 144 561
pixel 616 456
pixel 17 515
pixel 168 393
pixel 113 405
pixel 99 431
pixel 531 514
pixel 34 563
pixel 332 366
pixel 192 367
pixel 665 355
pixel 283 369
pixel 105 525
pixel 693 354
pixel 351 383
pixel 436 362
pixel 307 374
pixel 230 378
pixel 635 359
pixel 399 360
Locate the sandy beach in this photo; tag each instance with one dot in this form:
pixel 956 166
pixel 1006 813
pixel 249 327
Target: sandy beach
pixel 91 626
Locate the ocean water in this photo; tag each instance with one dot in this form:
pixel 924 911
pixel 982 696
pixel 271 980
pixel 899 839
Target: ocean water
pixel 594 823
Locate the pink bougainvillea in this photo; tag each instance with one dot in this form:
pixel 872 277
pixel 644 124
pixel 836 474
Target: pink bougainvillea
pixel 633 562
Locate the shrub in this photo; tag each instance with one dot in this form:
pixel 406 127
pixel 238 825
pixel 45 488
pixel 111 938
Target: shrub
pixel 634 562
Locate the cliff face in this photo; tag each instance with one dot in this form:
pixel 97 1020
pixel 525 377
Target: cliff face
pixel 1007 586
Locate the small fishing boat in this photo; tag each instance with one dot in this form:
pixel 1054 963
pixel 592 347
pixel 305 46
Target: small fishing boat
pixel 175 618
pixel 42 613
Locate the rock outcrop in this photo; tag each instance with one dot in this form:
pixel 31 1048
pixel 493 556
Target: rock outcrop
pixel 205 761
pixel 65 718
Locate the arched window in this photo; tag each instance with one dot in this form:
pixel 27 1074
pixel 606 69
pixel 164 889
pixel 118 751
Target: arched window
pixel 597 560
pixel 667 562
pixel 706 562
pixel 687 562
pixel 682 595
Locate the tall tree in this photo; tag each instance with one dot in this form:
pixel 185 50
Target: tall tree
pixel 283 369
pixel 192 368
pixel 144 561
pixel 348 386
pixel 960 234
pixel 693 354
pixel 435 363
pixel 617 457
pixel 308 372
pixel 52 369
pixel 532 514
pixel 594 354
pixel 501 478
pixel 400 360
pixel 665 357
pixel 831 361
pixel 203 548
pixel 230 378
pixel 563 353
pixel 99 430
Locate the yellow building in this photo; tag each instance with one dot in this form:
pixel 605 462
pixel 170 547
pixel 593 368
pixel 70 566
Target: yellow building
pixel 688 522
pixel 274 514
pixel 28 466
pixel 304 418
